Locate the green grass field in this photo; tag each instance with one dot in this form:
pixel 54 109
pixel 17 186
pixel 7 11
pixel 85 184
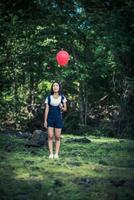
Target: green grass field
pixel 100 170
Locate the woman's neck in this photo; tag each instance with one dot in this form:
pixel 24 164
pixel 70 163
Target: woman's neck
pixel 55 94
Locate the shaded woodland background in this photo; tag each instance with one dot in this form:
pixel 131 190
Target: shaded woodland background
pixel 99 79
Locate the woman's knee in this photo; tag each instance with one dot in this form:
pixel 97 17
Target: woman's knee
pixel 50 137
pixel 57 138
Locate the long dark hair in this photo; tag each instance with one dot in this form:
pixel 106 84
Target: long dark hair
pixel 52 92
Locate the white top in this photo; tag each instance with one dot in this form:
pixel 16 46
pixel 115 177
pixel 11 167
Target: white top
pixel 55 101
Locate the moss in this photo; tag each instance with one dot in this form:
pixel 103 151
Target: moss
pixel 84 171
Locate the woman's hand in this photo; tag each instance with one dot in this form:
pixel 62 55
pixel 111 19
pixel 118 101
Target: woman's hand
pixel 45 124
pixel 61 106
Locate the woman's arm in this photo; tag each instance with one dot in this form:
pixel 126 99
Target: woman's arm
pixel 46 115
pixel 64 107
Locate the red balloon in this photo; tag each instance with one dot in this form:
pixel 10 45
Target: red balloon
pixel 62 57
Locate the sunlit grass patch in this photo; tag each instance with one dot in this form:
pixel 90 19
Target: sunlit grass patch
pixel 99 169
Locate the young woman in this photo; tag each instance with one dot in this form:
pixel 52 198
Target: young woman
pixel 55 104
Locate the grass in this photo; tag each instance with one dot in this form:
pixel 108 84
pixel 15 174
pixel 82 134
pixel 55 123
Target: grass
pixel 102 169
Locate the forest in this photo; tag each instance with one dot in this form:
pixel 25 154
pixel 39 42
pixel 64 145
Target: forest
pixel 96 157
pixel 99 78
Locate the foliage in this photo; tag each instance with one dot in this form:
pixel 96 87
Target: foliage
pixel 99 37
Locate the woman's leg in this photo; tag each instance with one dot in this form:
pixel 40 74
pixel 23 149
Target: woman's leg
pixel 50 139
pixel 57 140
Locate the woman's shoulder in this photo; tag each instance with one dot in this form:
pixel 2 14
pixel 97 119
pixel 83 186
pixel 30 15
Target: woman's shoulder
pixel 63 97
pixel 47 97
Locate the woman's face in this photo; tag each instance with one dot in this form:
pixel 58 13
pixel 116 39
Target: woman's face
pixel 55 87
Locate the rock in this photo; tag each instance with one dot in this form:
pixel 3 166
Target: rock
pixel 9 132
pixel 129 184
pixel 29 162
pixel 21 134
pixel 38 139
pixel 74 163
pixel 58 183
pixel 86 181
pixel 26 134
pixel 117 183
pixel 81 140
pixel 103 162
pixel 121 141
